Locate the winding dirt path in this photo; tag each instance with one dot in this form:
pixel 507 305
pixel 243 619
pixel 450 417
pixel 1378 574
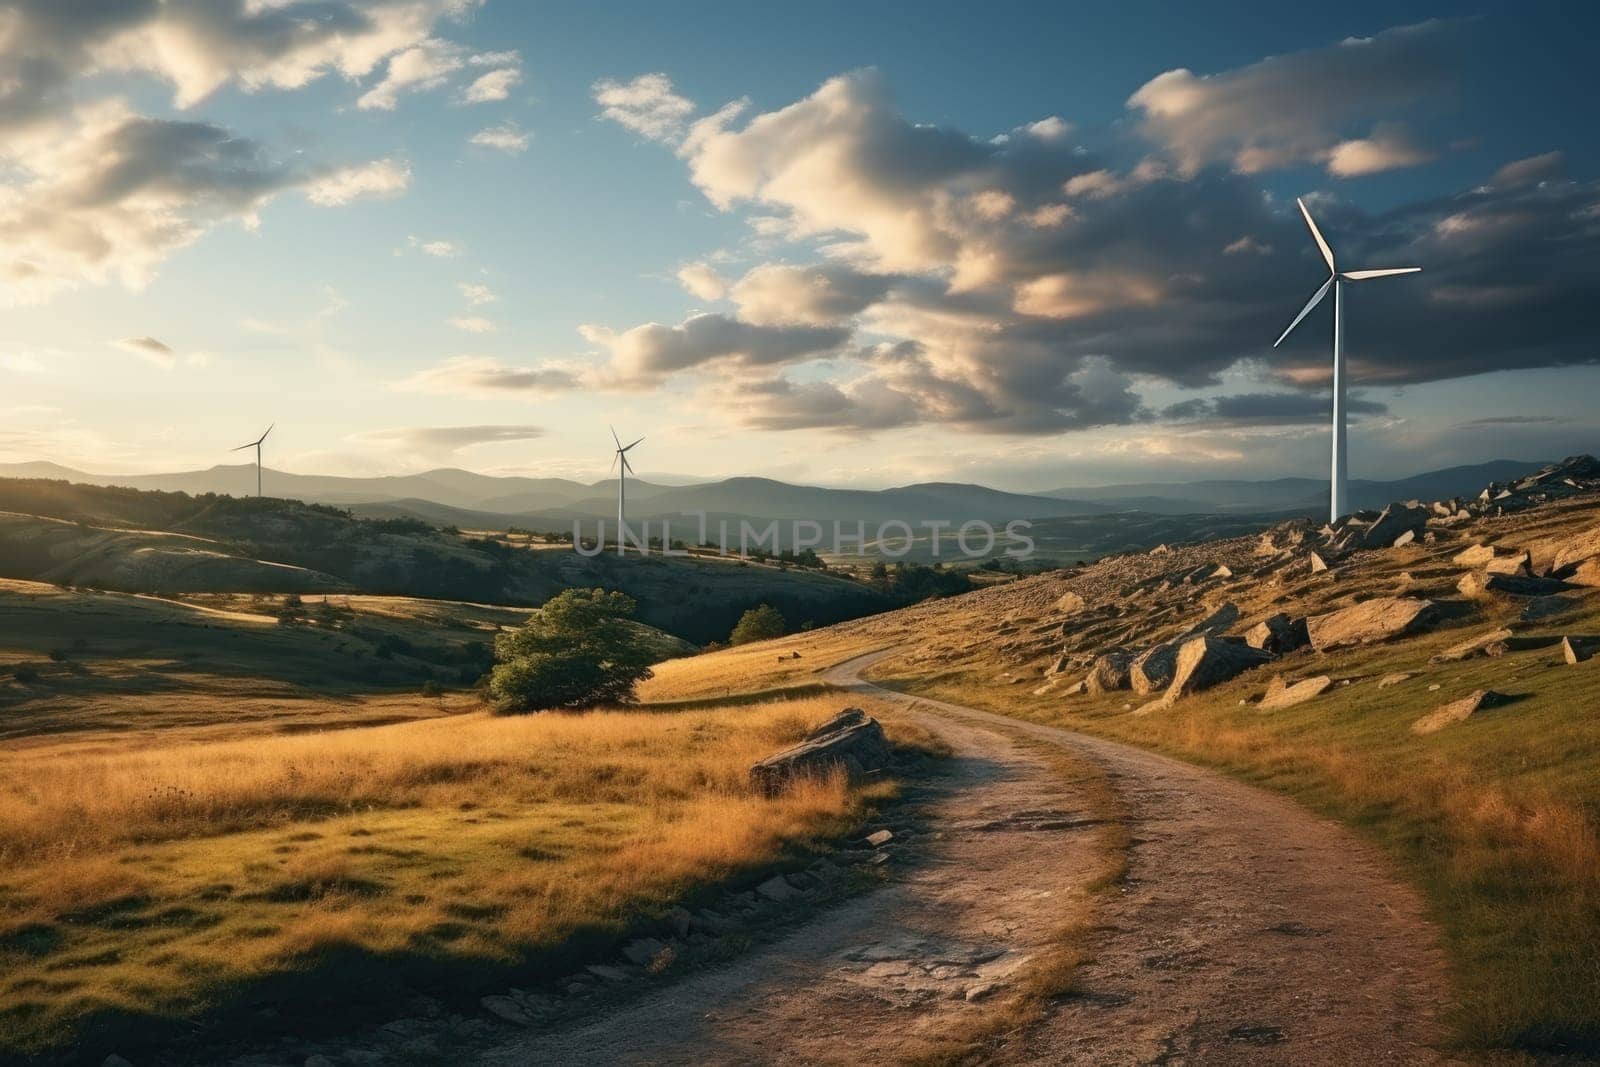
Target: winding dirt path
pixel 1247 931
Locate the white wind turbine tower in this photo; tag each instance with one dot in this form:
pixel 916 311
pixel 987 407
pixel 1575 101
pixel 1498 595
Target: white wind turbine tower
pixel 256 444
pixel 621 457
pixel 1336 281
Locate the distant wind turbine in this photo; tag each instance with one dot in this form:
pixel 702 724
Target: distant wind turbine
pixel 625 469
pixel 1336 281
pixel 256 444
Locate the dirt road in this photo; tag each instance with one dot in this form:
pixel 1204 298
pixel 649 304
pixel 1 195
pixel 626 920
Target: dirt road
pixel 1247 931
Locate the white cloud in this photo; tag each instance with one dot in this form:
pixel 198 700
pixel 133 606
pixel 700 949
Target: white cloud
pixel 438 249
pixel 495 85
pixel 646 355
pixel 381 178
pixel 1053 128
pixel 443 442
pixel 150 349
pixel 647 105
pixel 1526 171
pixel 484 375
pixel 774 294
pixel 702 281
pixel 1389 147
pixel 427 65
pixel 476 293
pixel 505 137
pixel 472 324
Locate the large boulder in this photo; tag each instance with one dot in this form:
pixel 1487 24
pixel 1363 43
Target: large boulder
pixel 1152 670
pixel 1491 644
pixel 1476 556
pixel 1458 711
pixel 1380 619
pixel 1207 661
pixel 1109 672
pixel 1577 548
pixel 1281 694
pixel 1277 634
pixel 852 741
pixel 1481 584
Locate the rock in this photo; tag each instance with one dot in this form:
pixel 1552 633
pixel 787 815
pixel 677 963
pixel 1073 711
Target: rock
pixel 1544 607
pixel 1481 584
pixel 1577 650
pixel 1586 574
pixel 1277 633
pixel 682 921
pixel 642 951
pixel 1380 619
pixel 1393 521
pixel 777 888
pixel 1404 539
pixel 981 990
pixel 1207 661
pixel 1518 563
pixel 1475 556
pixel 1160 550
pixel 1222 571
pixel 879 838
pixel 1070 603
pixel 1282 695
pixel 502 1008
pixel 1490 644
pixel 851 740
pixel 1318 565
pixel 607 973
pixel 1393 679
pixel 1109 672
pixel 1458 711
pixel 1152 671
pixel 1575 549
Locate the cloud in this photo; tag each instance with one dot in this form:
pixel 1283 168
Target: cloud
pixel 485 375
pixel 701 281
pixel 476 293
pixel 1513 420
pixel 382 178
pixel 149 348
pixel 646 355
pixel 437 248
pixel 1267 408
pixel 1389 147
pixel 647 105
pixel 472 324
pixel 776 295
pixel 445 441
pixel 506 137
pixel 1533 169
pixel 495 85
pixel 1293 109
pixel 427 65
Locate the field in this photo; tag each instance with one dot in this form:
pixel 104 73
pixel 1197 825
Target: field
pixel 162 879
pixel 1497 820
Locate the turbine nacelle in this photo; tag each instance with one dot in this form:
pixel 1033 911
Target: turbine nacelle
pixel 1334 274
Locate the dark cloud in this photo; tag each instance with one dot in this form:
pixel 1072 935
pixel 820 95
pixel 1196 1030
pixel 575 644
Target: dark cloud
pixel 484 374
pixel 647 354
pixel 1266 408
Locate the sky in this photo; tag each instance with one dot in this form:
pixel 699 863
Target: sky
pixel 834 243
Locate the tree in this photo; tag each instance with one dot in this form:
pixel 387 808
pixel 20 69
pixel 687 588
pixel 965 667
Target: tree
pixel 578 651
pixel 757 624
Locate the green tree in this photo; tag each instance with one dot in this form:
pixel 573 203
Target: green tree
pixel 578 651
pixel 758 624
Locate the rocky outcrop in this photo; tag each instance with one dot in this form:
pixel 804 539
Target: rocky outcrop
pixel 1381 619
pixel 1481 584
pixel 851 740
pixel 1152 670
pixel 1492 644
pixel 1277 634
pixel 1206 661
pixel 1281 694
pixel 1109 672
pixel 1458 711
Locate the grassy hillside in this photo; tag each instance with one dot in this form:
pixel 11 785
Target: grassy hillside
pixel 140 541
pixel 1496 818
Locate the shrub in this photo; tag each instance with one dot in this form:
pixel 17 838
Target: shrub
pixel 758 624
pixel 578 651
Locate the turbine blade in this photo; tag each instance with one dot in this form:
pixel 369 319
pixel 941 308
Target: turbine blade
pixel 241 448
pixel 625 464
pixel 613 467
pixel 1316 298
pixel 1327 253
pixel 263 437
pixel 1363 275
pixel 614 436
pixel 630 446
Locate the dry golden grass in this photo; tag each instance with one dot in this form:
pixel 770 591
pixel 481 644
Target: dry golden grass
pixel 760 666
pixel 151 880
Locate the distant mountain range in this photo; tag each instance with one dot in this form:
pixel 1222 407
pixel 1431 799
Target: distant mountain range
pixel 462 498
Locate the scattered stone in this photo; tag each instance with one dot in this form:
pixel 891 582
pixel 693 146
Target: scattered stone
pixel 1586 574
pixel 1070 603
pixel 1222 571
pixel 1380 619
pixel 1405 539
pixel 1282 695
pixel 777 888
pixel 1458 711
pixel 1160 550
pixel 1475 556
pixel 1393 679
pixel 1434 688
pixel 1278 634
pixel 1207 661
pixel 1481 584
pixel 879 838
pixel 852 740
pixel 1318 564
pixel 1491 644
pixel 502 1008
pixel 1517 563
pixel 1577 650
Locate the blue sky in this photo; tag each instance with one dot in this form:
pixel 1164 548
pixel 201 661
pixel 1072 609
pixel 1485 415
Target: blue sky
pixel 879 271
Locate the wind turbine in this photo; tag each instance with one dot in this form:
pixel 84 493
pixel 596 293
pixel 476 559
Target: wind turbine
pixel 622 479
pixel 1336 281
pixel 256 444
